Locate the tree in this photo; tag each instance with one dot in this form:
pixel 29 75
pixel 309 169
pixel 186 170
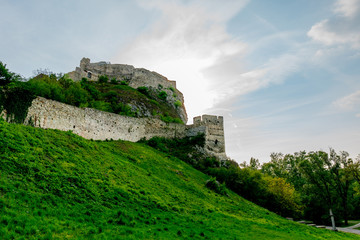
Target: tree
pixel 355 169
pixel 287 200
pixel 318 178
pixel 6 76
pixel 340 169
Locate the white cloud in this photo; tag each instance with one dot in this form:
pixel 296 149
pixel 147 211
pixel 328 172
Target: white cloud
pixel 187 38
pixel 347 8
pixel 349 102
pixel 343 29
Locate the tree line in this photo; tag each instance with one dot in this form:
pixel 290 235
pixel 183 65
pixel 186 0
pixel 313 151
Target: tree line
pixel 323 180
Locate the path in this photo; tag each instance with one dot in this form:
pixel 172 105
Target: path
pixel 348 229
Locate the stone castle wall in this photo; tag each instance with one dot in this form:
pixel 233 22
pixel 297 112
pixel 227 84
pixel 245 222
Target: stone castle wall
pixel 98 125
pixel 136 77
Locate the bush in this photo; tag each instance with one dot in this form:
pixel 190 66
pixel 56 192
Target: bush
pixel 75 95
pixel 103 79
pixel 17 102
pixel 163 95
pixel 113 81
pixel 144 90
pixel 178 104
pixel 169 119
pixel 214 185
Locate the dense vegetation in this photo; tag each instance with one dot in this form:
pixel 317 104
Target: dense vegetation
pixel 110 96
pixel 56 185
pixel 323 180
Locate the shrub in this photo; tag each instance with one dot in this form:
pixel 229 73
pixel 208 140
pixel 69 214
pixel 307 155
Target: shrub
pixel 168 119
pixel 113 81
pixel 144 90
pixel 17 102
pixel 67 82
pixel 103 79
pixel 178 104
pixel 111 96
pixel 75 95
pixel 214 185
pixel 162 95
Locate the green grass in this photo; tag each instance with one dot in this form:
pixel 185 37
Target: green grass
pixel 56 185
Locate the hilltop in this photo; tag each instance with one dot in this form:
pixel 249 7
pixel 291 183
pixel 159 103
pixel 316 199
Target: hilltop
pixel 57 185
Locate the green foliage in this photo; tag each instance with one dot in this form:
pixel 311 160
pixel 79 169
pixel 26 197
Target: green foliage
pixel 178 104
pixel 113 81
pixel 324 181
pixel 56 185
pixel 66 82
pixel 6 76
pixel 124 83
pixel 17 102
pixel 76 95
pixel 216 186
pixel 144 90
pixel 172 89
pixel 162 95
pixel 2 100
pixel 103 79
pixel 169 119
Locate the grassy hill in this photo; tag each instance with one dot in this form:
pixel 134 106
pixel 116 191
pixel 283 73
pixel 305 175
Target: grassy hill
pixel 56 185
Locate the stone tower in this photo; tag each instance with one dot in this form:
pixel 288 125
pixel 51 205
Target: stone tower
pixel 213 129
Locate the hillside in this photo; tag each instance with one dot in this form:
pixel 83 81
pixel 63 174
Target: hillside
pixel 56 185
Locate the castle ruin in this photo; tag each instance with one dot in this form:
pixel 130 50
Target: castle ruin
pixel 99 125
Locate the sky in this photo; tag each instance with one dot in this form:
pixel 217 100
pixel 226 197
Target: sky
pixel 284 74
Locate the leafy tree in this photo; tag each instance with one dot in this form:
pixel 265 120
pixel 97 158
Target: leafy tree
pixel 75 95
pixel 6 76
pixel 287 201
pixel 340 169
pixel 355 169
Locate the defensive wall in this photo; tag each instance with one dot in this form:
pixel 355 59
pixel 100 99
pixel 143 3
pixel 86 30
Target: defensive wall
pixel 98 125
pixel 135 77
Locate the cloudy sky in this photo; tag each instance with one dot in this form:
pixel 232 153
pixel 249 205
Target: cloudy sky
pixel 284 74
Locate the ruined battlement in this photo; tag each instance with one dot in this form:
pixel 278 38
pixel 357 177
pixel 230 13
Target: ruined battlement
pixel 135 77
pixel 213 129
pixel 208 119
pixel 121 72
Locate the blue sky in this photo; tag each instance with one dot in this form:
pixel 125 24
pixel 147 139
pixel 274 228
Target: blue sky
pixel 284 74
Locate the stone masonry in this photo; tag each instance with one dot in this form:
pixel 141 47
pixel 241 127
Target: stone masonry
pixel 98 125
pixel 135 77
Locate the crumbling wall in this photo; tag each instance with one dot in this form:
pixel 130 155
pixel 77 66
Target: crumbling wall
pixel 136 77
pixel 98 125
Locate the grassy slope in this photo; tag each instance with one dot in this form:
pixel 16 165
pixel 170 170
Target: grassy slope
pixel 56 185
